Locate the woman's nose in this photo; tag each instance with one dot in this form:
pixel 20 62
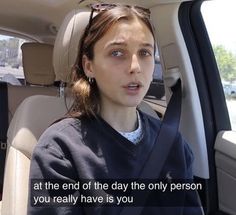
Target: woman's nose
pixel 135 64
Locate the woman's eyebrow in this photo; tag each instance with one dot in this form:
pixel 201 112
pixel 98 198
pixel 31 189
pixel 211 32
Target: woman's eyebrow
pixel 115 43
pixel 147 45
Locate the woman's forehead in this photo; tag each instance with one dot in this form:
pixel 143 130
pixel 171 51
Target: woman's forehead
pixel 127 30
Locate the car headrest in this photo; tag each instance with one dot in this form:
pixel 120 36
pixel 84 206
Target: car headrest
pixel 67 41
pixel 37 63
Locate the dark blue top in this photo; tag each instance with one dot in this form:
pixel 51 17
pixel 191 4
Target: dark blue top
pixel 80 149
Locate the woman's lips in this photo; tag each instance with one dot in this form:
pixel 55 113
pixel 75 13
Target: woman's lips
pixel 133 88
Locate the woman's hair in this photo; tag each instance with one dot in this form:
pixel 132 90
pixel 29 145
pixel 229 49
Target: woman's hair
pixel 85 92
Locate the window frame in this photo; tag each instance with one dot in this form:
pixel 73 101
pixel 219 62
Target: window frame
pixel 212 98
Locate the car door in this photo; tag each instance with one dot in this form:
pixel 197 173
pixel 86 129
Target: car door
pixel 209 32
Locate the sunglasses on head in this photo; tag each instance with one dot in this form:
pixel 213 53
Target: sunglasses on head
pixel 100 7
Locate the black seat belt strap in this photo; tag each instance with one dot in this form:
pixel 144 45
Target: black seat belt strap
pixel 3 128
pixel 168 131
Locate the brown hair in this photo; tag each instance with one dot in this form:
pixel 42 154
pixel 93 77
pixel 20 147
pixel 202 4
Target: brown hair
pixel 86 95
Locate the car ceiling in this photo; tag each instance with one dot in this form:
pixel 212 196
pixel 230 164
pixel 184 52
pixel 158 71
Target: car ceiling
pixel 40 19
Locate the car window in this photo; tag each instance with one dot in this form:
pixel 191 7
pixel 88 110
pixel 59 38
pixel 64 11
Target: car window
pixel 11 59
pixel 219 17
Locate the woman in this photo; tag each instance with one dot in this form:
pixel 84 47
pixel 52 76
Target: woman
pixel 105 136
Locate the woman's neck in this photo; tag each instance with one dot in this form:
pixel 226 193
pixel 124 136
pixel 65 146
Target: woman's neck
pixel 121 119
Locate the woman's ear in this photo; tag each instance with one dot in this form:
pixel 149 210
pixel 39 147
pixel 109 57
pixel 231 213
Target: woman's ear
pixel 87 66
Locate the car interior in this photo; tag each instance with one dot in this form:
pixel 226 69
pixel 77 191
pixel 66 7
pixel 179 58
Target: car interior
pixel 53 29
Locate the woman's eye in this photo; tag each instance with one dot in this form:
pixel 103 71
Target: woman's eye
pixel 145 53
pixel 117 53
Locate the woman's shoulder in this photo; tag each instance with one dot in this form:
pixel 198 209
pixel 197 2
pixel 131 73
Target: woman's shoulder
pixel 64 124
pixel 150 119
pixel 64 129
pixel 180 143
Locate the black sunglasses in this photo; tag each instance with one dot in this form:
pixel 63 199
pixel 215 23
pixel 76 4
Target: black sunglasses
pixel 100 7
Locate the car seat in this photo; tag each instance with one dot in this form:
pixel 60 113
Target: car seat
pixel 37 63
pixel 36 113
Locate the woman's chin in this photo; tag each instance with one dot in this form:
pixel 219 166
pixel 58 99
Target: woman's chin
pixel 132 102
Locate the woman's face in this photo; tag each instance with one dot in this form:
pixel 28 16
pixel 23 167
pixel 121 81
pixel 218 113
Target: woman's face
pixel 123 64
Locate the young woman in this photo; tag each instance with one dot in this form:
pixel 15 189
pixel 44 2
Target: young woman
pixel 105 135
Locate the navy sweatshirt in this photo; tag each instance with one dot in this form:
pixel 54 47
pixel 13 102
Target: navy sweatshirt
pixel 81 149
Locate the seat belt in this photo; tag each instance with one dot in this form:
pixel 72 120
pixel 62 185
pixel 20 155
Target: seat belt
pixel 3 128
pixel 168 131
